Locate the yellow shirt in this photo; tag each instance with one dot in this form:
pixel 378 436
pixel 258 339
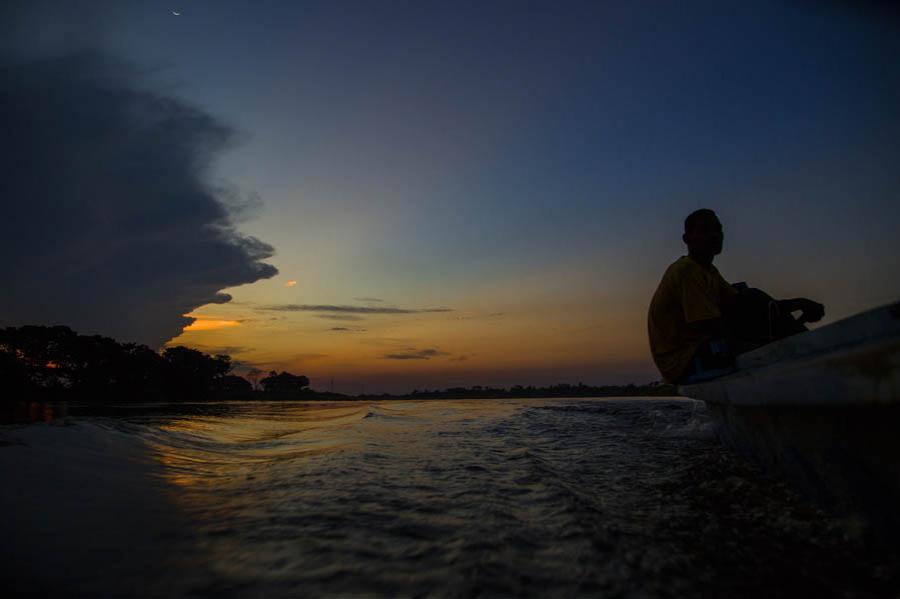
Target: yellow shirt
pixel 688 292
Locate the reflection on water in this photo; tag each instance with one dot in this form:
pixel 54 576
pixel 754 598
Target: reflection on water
pixel 211 450
pixel 31 411
pixel 459 498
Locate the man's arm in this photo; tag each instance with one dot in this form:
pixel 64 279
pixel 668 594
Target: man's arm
pixel 811 311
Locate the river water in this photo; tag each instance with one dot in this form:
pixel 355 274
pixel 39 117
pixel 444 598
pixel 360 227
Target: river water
pixel 479 498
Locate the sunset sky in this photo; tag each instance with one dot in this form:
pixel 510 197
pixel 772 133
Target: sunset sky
pixel 455 194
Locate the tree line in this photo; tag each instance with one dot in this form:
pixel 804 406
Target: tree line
pixel 654 389
pixel 56 363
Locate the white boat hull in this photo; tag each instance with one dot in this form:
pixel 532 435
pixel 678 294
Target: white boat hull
pixel 822 409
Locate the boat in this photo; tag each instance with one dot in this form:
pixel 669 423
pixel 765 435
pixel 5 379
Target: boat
pixel 821 409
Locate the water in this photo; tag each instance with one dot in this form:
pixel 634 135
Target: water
pixel 478 498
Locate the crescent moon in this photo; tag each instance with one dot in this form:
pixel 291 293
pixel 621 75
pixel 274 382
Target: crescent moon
pixel 176 13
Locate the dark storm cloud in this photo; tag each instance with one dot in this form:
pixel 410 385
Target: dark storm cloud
pixel 348 309
pixel 110 225
pixel 416 354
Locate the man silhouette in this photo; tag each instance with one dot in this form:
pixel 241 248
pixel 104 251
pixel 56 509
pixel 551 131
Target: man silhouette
pixel 698 323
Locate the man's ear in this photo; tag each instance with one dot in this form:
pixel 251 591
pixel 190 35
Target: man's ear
pixel 684 238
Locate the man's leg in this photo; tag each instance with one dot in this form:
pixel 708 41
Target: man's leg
pixel 712 359
pixel 755 320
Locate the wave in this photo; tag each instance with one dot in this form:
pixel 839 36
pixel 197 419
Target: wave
pixel 450 498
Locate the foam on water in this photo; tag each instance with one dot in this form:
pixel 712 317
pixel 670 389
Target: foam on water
pixel 445 498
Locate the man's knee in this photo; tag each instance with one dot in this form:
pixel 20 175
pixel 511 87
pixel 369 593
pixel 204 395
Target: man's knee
pixel 752 297
pixel 750 317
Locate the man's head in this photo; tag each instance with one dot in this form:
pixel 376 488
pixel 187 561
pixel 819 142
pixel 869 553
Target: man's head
pixel 703 233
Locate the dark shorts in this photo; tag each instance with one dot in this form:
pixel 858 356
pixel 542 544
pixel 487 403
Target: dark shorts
pixel 753 320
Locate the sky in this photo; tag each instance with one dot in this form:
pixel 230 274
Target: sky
pixel 389 196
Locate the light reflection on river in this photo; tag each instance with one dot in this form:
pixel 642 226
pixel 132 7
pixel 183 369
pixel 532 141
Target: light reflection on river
pixel 611 497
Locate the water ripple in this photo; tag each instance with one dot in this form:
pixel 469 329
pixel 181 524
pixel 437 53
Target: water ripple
pixel 476 498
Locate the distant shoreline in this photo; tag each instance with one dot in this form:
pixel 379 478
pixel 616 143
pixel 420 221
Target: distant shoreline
pixel 56 364
pixel 520 392
pixel 559 391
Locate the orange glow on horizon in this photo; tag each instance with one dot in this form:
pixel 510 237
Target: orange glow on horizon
pixel 488 343
pixel 211 324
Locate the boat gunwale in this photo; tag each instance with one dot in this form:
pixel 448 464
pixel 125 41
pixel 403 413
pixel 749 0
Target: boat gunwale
pixel 714 390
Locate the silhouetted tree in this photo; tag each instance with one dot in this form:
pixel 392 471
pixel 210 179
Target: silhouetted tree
pixel 192 372
pixel 39 352
pixel 14 374
pixel 57 363
pixel 232 385
pixel 253 375
pixel 285 382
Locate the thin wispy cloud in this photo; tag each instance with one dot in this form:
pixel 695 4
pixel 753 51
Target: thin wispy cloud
pixel 368 299
pixel 230 350
pixel 416 354
pixel 286 363
pixel 342 309
pixel 341 317
pixel 389 344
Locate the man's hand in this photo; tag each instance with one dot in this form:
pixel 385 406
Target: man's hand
pixel 811 311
